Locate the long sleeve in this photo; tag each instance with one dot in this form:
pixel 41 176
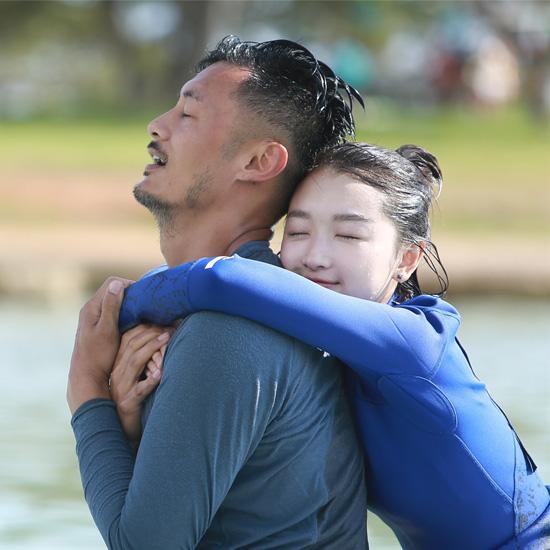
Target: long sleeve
pixel 209 413
pixel 365 335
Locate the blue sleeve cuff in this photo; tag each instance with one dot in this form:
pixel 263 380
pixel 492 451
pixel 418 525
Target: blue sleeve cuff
pixel 91 404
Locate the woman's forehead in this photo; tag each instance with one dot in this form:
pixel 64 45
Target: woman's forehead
pixel 328 190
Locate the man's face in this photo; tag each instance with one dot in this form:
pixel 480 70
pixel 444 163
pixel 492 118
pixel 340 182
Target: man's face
pixel 191 144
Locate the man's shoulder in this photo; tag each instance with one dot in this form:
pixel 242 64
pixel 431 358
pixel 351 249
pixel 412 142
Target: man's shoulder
pixel 216 326
pixel 242 341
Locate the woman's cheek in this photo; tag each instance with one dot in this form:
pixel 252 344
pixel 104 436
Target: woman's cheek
pixel 288 254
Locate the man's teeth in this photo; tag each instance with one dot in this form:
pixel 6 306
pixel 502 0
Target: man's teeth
pixel 158 160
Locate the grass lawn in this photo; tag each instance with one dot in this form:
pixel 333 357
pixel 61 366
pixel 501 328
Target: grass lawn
pixel 496 166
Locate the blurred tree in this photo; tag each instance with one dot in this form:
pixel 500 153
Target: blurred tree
pixel 132 54
pixel 525 27
pixel 169 61
pixel 144 69
pixel 188 45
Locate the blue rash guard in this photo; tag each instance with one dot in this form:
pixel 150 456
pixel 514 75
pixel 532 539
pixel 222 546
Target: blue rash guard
pixel 445 469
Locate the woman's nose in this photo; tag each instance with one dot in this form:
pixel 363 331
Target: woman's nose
pixel 317 257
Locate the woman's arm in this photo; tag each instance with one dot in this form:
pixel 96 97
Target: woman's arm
pixel 365 335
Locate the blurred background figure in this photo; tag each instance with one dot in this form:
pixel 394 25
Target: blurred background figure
pixel 80 79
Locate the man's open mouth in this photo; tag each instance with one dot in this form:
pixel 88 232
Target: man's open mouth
pixel 159 158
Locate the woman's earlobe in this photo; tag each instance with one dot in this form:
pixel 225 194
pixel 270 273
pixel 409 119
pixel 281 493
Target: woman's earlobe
pixel 412 255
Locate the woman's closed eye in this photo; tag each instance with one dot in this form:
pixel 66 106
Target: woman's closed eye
pixel 348 237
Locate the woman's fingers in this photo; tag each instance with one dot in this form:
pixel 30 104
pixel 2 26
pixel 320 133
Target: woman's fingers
pixel 150 368
pixel 137 372
pixel 140 349
pixel 134 338
pixel 157 358
pixel 145 353
pixel 145 387
pixel 129 334
pixel 132 335
pixel 131 401
pixel 130 365
pixel 141 337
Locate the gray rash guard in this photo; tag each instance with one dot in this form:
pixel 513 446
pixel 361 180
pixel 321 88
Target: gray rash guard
pixel 248 443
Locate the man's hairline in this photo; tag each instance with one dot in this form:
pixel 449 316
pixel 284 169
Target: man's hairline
pixel 238 94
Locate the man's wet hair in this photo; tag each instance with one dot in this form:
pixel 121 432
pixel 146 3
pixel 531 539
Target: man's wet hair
pixel 294 92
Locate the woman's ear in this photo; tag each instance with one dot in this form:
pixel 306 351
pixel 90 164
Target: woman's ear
pixel 412 254
pixel 266 161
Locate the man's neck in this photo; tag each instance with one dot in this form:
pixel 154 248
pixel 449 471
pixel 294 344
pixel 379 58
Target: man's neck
pixel 186 242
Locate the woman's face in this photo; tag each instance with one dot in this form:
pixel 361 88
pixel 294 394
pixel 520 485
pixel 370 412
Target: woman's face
pixel 337 236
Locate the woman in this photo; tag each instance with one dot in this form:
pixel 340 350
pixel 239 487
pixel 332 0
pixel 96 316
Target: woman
pixel 445 468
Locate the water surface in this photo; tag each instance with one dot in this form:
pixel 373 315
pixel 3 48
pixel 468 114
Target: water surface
pixel 41 503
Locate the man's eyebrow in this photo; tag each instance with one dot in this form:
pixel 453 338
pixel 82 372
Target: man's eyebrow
pixel 351 218
pixel 193 94
pixel 298 214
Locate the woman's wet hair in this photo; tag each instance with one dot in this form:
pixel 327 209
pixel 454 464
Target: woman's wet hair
pixel 296 94
pixel 409 179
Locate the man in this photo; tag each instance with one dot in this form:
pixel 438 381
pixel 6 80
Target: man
pixel 248 440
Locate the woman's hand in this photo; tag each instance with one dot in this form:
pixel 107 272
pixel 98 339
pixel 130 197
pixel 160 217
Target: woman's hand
pixel 136 373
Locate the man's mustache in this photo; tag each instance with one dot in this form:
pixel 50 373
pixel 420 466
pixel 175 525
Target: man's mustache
pixel 155 145
pixel 155 149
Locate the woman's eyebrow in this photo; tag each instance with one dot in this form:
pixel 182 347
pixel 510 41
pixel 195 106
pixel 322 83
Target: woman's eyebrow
pixel 351 218
pixel 298 214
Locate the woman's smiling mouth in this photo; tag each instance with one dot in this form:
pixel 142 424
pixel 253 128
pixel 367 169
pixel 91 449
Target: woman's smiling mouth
pixel 323 282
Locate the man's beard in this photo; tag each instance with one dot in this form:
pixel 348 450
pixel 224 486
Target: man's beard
pixel 196 197
pixel 164 212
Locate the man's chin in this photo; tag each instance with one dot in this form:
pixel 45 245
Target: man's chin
pixel 141 195
pixel 143 184
pixel 161 209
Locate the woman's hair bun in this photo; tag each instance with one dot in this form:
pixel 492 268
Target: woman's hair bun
pixel 424 161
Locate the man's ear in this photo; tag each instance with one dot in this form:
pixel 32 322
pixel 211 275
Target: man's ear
pixel 412 254
pixel 265 162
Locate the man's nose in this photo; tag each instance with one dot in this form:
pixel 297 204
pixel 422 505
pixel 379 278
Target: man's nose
pixel 317 256
pixel 158 127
